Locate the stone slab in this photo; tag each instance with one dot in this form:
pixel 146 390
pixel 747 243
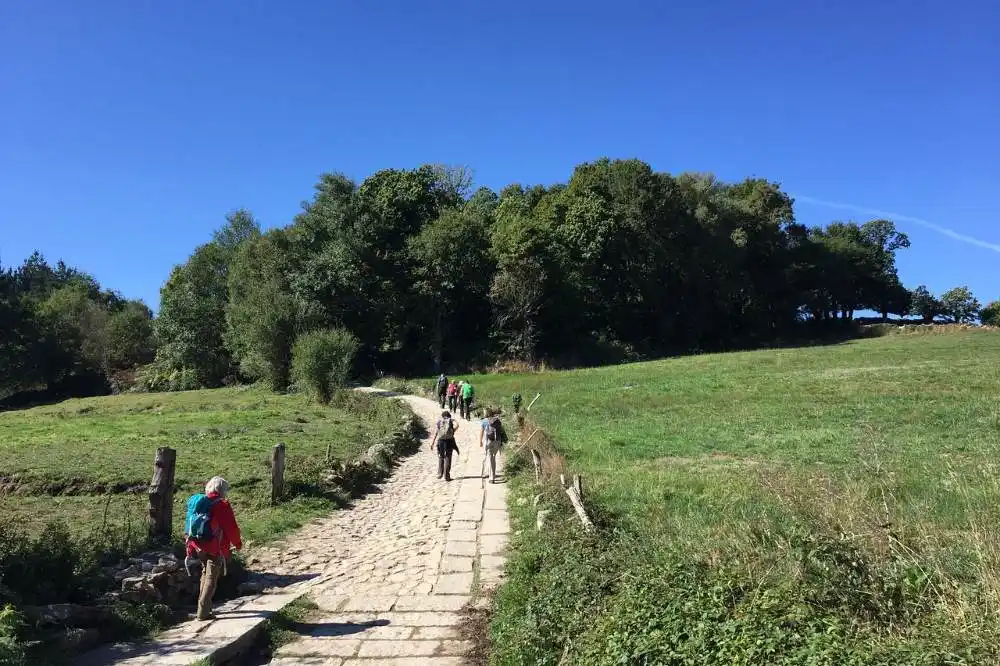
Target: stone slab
pixel 491 562
pixel 470 511
pixel 461 535
pixel 340 648
pixel 433 602
pixel 453 584
pixel 408 661
pixel 423 619
pixel 495 521
pixel 368 603
pixel 398 648
pixel 463 548
pixel 456 564
pixel 492 544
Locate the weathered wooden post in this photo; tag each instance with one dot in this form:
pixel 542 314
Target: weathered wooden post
pixel 578 484
pixel 277 472
pixel 161 494
pixel 577 503
pixel 537 460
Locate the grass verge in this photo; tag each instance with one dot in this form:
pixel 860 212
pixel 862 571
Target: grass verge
pixel 800 506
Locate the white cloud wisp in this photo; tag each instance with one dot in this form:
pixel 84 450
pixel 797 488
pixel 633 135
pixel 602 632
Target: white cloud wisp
pixel 951 233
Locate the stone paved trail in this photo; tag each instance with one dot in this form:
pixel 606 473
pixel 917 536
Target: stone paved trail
pixel 389 575
pixel 399 566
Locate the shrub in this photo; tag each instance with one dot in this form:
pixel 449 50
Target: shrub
pixel 11 645
pixel 158 376
pixel 322 360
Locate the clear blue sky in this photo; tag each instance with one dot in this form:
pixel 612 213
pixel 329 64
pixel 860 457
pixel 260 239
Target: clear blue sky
pixel 129 129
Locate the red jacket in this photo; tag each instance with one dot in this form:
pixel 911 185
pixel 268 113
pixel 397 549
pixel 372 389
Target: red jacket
pixel 223 524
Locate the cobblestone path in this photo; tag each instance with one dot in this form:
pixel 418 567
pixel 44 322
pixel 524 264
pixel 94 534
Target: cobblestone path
pixel 398 567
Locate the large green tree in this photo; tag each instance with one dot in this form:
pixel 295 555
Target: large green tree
pixel 192 317
pixel 990 315
pixel 925 304
pixel 261 314
pixel 960 305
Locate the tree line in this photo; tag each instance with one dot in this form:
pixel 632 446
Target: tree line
pixel 62 334
pixel 619 262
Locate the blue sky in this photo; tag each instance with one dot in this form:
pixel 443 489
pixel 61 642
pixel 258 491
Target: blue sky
pixel 128 130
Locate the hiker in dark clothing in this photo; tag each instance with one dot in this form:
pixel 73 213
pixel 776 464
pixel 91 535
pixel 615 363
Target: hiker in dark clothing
pixel 442 389
pixel 444 442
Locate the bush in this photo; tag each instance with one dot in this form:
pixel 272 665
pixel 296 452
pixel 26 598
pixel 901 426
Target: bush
pixel 322 360
pixel 11 628
pixel 157 377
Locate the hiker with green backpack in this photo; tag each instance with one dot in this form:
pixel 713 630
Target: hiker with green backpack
pixel 468 394
pixel 212 534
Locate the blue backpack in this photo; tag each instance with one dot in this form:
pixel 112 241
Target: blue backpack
pixel 198 524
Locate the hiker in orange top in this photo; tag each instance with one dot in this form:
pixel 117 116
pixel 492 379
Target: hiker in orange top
pixel 212 535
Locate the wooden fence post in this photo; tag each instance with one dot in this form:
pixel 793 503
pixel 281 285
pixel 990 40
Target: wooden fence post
pixel 161 494
pixel 537 460
pixel 581 512
pixel 277 472
pixel 578 484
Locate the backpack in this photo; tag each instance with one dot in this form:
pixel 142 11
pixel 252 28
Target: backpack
pixel 442 384
pixel 447 429
pixel 495 431
pixel 198 523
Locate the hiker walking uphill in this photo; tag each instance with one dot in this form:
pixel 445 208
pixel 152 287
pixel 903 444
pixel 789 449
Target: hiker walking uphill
pixel 212 534
pixel 468 395
pixel 444 441
pixel 441 389
pixel 492 437
pixel 452 397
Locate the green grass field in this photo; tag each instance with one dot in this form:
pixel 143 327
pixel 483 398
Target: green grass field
pixel 82 459
pixel 804 506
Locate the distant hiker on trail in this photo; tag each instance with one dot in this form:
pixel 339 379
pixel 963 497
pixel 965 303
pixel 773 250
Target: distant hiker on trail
pixel 515 400
pixel 212 534
pixel 468 395
pixel 444 442
pixel 452 396
pixel 442 389
pixel 492 436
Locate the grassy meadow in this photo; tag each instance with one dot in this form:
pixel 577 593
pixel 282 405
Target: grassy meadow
pixel 87 461
pixel 820 505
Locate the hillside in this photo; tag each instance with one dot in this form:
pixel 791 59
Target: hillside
pixel 814 505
